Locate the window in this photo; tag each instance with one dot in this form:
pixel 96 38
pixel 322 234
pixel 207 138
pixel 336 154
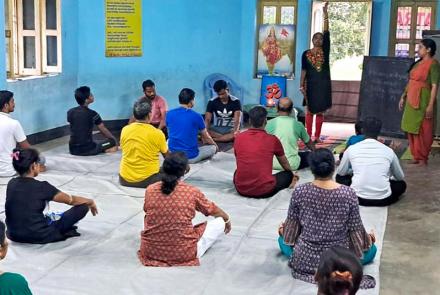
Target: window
pixel 276 38
pixel 350 27
pixel 409 20
pixel 33 37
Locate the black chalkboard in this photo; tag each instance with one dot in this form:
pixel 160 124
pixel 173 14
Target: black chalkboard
pixel 383 82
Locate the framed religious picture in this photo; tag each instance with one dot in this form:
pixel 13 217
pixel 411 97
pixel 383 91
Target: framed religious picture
pixel 272 89
pixel 276 50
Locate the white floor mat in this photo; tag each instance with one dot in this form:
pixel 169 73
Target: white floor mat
pixel 103 260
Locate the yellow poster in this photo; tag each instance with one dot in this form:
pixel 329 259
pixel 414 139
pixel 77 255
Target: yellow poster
pixel 123 28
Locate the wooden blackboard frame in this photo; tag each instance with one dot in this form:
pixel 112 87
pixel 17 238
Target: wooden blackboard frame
pixel 383 82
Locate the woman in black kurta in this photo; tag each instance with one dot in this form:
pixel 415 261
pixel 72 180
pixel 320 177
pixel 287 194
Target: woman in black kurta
pixel 315 79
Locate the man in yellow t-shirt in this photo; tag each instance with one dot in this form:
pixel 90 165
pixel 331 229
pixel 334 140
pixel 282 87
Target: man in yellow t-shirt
pixel 141 145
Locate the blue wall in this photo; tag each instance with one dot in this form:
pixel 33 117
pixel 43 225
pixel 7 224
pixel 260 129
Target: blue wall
pixel 182 43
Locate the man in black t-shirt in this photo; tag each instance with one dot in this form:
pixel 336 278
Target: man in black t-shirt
pixel 82 120
pixel 224 112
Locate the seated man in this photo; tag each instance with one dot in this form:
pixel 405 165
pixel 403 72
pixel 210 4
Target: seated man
pixel 141 144
pixel 372 163
pixel 289 131
pixel 254 151
pixel 158 105
pixel 184 125
pixel 225 112
pixel 11 134
pixel 82 119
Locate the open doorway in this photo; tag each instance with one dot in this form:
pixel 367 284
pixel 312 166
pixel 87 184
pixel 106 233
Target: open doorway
pixel 350 28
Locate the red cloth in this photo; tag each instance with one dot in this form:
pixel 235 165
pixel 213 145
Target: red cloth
pixel 254 151
pixel 417 81
pixel 420 144
pixel 169 237
pixel 318 125
pixel 309 123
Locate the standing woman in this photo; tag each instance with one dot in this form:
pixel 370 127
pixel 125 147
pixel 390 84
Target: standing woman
pixel 315 79
pixel 418 102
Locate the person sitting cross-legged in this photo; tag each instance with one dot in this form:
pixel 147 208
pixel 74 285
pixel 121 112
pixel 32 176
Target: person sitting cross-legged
pixel 141 145
pixel 368 167
pixel 10 283
pixel 169 237
pixel 11 135
pixel 184 125
pixel 289 131
pixel 27 200
pixel 323 214
pixel 225 113
pixel 254 151
pixel 82 119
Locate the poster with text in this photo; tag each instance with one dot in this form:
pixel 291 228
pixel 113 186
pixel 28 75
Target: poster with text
pixel 276 50
pixel 123 28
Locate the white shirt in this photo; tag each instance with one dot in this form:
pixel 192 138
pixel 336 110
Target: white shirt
pixel 11 133
pixel 373 164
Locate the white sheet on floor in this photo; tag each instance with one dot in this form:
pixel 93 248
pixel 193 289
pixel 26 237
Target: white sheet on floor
pixel 104 261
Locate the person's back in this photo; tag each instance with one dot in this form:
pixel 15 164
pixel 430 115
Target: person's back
pixel 82 120
pixel 141 146
pixel 13 284
pixel 288 130
pixel 183 127
pixel 11 133
pixel 371 164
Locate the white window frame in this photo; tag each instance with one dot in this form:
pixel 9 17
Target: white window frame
pixel 16 44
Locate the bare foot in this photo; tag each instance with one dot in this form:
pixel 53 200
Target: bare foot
pixel 112 150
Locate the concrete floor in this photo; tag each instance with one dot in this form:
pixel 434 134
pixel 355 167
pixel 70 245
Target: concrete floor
pixel 411 255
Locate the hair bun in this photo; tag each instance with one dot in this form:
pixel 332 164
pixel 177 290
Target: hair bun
pixel 324 165
pixel 345 275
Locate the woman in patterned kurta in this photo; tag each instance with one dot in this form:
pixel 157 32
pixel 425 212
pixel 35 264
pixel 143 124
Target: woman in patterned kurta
pixel 323 214
pixel 315 79
pixel 169 237
pixel 420 96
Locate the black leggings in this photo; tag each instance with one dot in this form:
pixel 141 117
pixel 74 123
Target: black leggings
pixel 304 160
pixel 398 188
pixel 70 218
pixel 98 147
pixel 283 180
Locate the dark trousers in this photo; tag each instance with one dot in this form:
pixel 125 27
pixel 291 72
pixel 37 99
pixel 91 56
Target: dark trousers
pixel 304 159
pixel 164 130
pixel 283 180
pixel 143 183
pixel 398 188
pixel 71 217
pixel 96 148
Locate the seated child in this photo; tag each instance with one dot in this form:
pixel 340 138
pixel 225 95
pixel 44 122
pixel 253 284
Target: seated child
pixel 354 138
pixel 82 120
pixel 339 272
pixel 27 199
pixel 10 283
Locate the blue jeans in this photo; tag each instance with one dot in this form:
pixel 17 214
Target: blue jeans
pixel 367 258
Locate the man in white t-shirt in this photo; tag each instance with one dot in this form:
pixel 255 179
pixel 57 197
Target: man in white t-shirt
pixel 372 169
pixel 11 134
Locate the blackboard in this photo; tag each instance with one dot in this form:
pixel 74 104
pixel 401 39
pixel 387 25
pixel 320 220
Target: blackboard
pixel 383 81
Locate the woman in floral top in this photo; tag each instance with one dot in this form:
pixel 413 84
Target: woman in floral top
pixel 315 79
pixel 323 214
pixel 169 237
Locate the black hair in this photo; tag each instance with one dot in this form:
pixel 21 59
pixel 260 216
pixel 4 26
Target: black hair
pixel 322 163
pixel 22 159
pixel 141 109
pixel 81 94
pixel 219 85
pixel 316 35
pixel 147 83
pixel 173 168
pixel 339 271
pixel 186 96
pixel 5 97
pixel 428 44
pixel 2 233
pixel 371 127
pixel 358 127
pixel 257 116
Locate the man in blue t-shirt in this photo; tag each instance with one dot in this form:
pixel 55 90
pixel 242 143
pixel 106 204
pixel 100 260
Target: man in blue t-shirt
pixel 184 125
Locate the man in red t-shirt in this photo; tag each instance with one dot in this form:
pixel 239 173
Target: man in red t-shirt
pixel 254 151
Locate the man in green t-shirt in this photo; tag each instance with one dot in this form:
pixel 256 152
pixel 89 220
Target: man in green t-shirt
pixel 289 131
